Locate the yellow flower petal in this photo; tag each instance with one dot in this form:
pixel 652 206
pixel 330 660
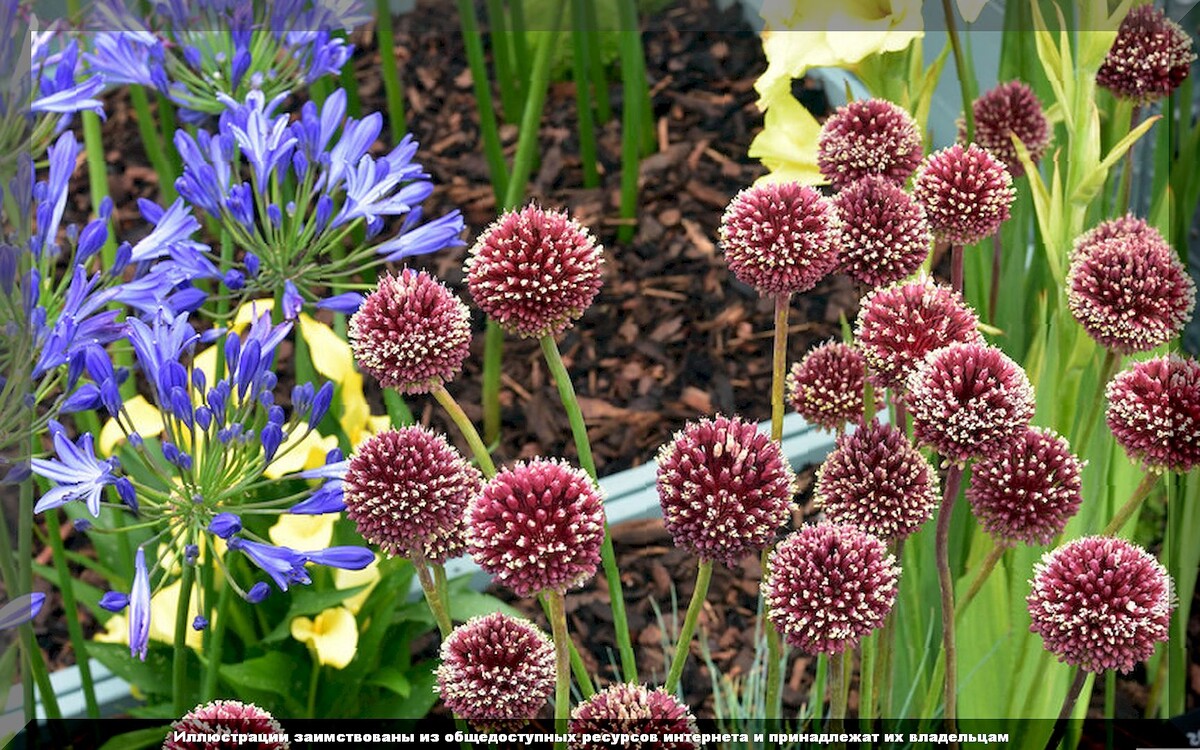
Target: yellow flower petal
pixel 348 579
pixel 146 420
pixel 332 356
pixel 333 635
pixel 303 533
pixel 309 454
pixel 355 413
pixel 787 144
pixel 250 312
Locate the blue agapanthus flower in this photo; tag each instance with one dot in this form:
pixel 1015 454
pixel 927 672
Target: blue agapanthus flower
pixel 77 474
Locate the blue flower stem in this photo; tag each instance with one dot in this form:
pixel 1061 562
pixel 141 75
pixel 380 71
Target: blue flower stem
pixel 152 143
pixel 467 428
pixel 562 664
pixel 632 118
pixel 608 557
pixel 216 643
pixel 74 629
pixel 946 582
pixel 960 67
pixel 179 663
pixel 684 642
pixel 778 382
pixel 583 107
pixel 393 91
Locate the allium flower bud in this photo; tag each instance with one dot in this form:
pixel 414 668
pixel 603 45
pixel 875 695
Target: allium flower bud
pixel 885 236
pixel 1010 109
pixel 725 488
pixel 1100 603
pixel 899 325
pixel 411 333
pixel 496 671
pixel 828 585
pixel 877 480
pixel 1027 494
pixel 1149 59
pixel 1127 226
pixel 537 526
pixel 1129 291
pixel 969 401
pixel 635 710
pixel 1154 412
pixel 966 192
pixel 869 137
pixel 534 271
pixel 224 717
pixel 407 491
pixel 780 238
pixel 826 387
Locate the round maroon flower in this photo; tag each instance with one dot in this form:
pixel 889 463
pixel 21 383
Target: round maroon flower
pixel 624 708
pixel 537 526
pixel 725 488
pixel 1149 59
pixel 1100 603
pixel 496 671
pixel 1154 412
pixel 407 490
pixel 534 271
pixel 969 401
pixel 1128 226
pixel 411 333
pixel 869 137
pixel 885 236
pixel 828 585
pixel 780 238
pixel 826 387
pixel 1029 493
pixel 899 325
pixel 225 717
pixel 1129 291
pixel 966 193
pixel 877 480
pixel 1010 109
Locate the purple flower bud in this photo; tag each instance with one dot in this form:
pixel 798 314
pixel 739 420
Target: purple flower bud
pixel 85 398
pixel 135 439
pixel 252 264
pixel 225 525
pixel 233 350
pixel 204 417
pixel 271 436
pixel 302 396
pixel 300 164
pixel 321 403
pixel 347 558
pixel 234 279
pixel 122 258
pixel 347 303
pixel 292 301
pixel 181 405
pixel 170 452
pixel 275 415
pixel 191 553
pixel 81 524
pixel 114 601
pixel 200 623
pixel 323 212
pixel 275 215
pixel 91 239
pixel 127 493
pixel 258 592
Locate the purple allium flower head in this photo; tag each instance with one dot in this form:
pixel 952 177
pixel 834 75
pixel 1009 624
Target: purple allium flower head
pixel 869 137
pixel 899 325
pixel 625 708
pixel 1010 109
pixel 412 333
pixel 828 585
pixel 877 480
pixel 537 526
pixel 885 235
pixel 496 671
pixel 1100 603
pixel 225 717
pixel 1149 59
pixel 407 490
pixel 534 271
pixel 966 192
pixel 826 386
pixel 969 401
pixel 780 238
pixel 1029 493
pixel 1127 287
pixel 1154 412
pixel 725 488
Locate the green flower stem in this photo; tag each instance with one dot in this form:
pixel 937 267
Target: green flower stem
pixel 583 107
pixel 167 126
pixel 608 558
pixel 960 67
pixel 953 482
pixel 1127 173
pixel 632 86
pixel 493 355
pixel 37 663
pixel 467 428
pixel 216 643
pixel 562 659
pixel 397 409
pixel 502 60
pixel 425 576
pixel 1131 505
pixel 956 268
pixel 1060 727
pixel 866 681
pixel 997 269
pixel 839 686
pixel 684 642
pixel 179 664
pixel 578 668
pixel 989 564
pixel 98 179
pixel 516 12
pixel 314 681
pixel 348 82
pixel 778 382
pixel 442 588
pixel 153 145
pixel 78 642
pixel 1107 369
pixel 596 66
pixel 883 660
pixel 490 133
pixel 392 89
pixel 816 698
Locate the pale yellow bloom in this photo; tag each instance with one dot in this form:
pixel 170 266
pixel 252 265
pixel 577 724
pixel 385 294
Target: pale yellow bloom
pixel 303 533
pixel 332 635
pixel 162 620
pixel 787 144
pixel 348 579
pixel 146 420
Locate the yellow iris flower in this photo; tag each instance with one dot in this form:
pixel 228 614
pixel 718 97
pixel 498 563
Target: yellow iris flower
pixel 304 533
pixel 348 579
pixel 162 620
pixel 332 636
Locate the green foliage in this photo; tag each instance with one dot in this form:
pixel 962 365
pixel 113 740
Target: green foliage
pixel 605 34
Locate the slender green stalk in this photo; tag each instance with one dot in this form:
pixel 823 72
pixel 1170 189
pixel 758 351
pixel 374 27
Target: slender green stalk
pixel 989 564
pixel 397 409
pixel 839 688
pixel 389 69
pixel 684 642
pixel 37 663
pixel 608 557
pixel 1060 727
pixel 492 152
pixel 314 681
pixel 179 663
pixel 1127 173
pixel 596 65
pixel 960 67
pixel 578 668
pixel 583 107
pixel 562 663
pixel 997 269
pixel 467 428
pixel 632 116
pixel 167 126
pixel 866 681
pixel 216 643
pixel 1107 369
pixel 1131 505
pixel 778 381
pixel 151 142
pixel 502 60
pixel 98 177
pixel 516 12
pixel 493 357
pixel 956 268
pixel 887 636
pixel 953 482
pixel 440 614
pixel 349 83
pixel 78 642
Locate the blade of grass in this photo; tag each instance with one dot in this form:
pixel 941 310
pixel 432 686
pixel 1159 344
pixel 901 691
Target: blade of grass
pixel 390 70
pixel 503 63
pixel 632 85
pixel 153 144
pixel 583 107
